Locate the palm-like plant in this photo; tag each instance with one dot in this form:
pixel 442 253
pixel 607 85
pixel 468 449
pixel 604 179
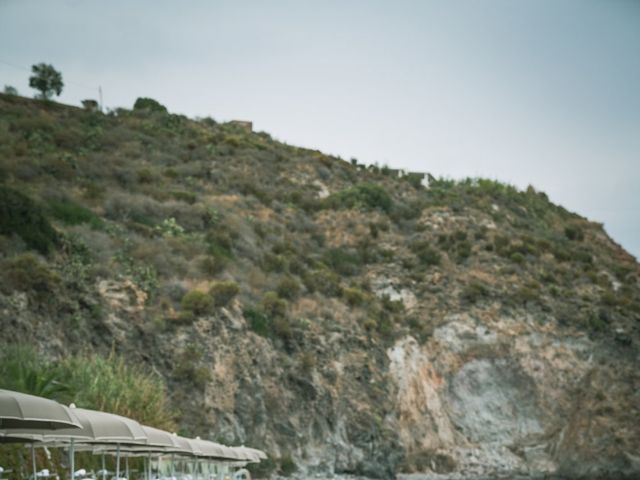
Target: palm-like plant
pixel 23 370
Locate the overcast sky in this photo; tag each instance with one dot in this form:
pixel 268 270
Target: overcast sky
pixel 540 92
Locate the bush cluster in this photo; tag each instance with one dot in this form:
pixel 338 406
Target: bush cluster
pixel 19 215
pixel 368 196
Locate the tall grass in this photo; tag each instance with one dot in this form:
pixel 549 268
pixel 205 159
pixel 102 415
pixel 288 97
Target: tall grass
pixel 90 381
pixel 112 385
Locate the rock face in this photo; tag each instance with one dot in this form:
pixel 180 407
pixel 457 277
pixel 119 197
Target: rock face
pixel 374 326
pixel 499 403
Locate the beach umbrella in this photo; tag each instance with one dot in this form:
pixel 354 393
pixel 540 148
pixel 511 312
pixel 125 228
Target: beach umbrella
pixel 249 454
pixel 212 450
pixel 95 427
pixel 33 414
pixel 158 442
pixel 20 410
pixel 188 445
pixel 107 428
pixel 258 453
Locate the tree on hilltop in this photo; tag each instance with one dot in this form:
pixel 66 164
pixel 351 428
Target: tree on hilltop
pixel 46 79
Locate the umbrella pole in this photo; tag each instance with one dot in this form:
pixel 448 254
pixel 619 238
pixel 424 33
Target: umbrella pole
pixel 172 469
pixel 150 474
pixel 72 460
pixel 104 470
pixel 144 466
pixel 127 466
pixel 118 463
pixel 33 461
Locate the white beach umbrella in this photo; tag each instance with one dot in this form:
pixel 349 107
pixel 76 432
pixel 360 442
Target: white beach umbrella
pixel 34 414
pixel 249 454
pixel 20 410
pixel 95 427
pixel 258 453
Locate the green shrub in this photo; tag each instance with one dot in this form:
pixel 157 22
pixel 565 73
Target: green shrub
pixel 517 257
pixel 220 243
pixel 501 244
pixel 197 302
pixel 19 215
pixel 224 292
pixel 73 214
pixel 474 292
pixel 609 299
pixel 263 469
pixel 427 255
pixel 354 296
pixel 582 256
pixel 598 322
pixel 186 197
pixel 274 263
pixel 324 281
pixel 27 273
pixel 287 466
pixel 368 196
pixel 213 265
pixel 561 254
pixel 288 288
pixel 462 250
pixel 188 367
pixel 149 105
pixel 145 175
pixel 281 328
pixel 392 306
pixel 525 294
pixel 573 232
pixel 370 324
pixel 342 261
pixel 273 306
pixel 258 321
pixel 307 362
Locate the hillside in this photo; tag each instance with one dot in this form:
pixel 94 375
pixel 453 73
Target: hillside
pixel 339 317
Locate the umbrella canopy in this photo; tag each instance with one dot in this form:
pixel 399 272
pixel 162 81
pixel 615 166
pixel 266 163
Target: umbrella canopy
pixel 160 438
pixel 188 445
pixel 94 427
pixel 20 410
pixel 259 453
pixel 101 427
pixel 250 454
pixel 235 453
pixel 158 441
pixel 209 449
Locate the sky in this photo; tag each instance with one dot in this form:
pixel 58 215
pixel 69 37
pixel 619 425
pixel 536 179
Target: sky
pixel 530 92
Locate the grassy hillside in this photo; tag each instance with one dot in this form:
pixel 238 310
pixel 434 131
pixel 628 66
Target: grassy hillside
pixel 150 233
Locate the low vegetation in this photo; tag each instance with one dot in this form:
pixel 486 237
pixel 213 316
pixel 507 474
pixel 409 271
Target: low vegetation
pixel 142 228
pixel 90 381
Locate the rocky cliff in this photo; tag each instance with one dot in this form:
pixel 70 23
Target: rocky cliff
pixel 343 318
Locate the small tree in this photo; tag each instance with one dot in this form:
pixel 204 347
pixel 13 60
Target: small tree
pixel 9 90
pixel 149 104
pixel 46 79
